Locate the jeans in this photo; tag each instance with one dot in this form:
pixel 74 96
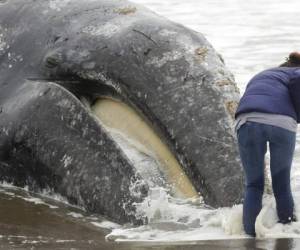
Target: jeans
pixel 252 141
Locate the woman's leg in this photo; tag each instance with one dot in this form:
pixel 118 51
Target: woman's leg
pixel 282 146
pixel 252 147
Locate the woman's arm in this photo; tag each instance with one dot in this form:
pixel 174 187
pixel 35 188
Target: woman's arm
pixel 294 89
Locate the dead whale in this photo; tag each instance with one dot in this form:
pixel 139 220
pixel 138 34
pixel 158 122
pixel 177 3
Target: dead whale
pixel 74 74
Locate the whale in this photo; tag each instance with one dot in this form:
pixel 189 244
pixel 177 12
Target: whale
pixel 81 79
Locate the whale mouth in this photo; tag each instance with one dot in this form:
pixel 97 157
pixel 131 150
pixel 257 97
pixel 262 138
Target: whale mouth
pixel 133 132
pixel 142 143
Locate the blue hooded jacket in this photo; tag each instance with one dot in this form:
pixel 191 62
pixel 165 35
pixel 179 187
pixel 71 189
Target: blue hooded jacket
pixel 269 92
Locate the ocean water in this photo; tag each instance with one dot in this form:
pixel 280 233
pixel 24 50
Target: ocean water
pixel 251 35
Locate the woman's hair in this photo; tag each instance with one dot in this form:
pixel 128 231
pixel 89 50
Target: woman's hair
pixel 292 61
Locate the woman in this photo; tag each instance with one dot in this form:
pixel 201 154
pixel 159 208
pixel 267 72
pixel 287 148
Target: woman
pixel 266 113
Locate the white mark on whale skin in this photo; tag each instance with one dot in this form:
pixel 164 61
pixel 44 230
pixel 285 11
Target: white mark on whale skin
pixel 88 65
pixel 13 59
pixel 166 57
pixel 73 123
pixel 167 33
pixel 107 30
pixel 3 44
pixel 65 103
pixel 5 131
pixel 117 25
pixel 67 160
pixel 85 131
pixel 79 116
pixel 58 4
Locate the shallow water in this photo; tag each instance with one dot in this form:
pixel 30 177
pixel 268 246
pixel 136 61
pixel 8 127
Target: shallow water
pixel 24 224
pixel 251 37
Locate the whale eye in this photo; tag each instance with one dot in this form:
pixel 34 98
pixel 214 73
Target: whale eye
pixel 135 135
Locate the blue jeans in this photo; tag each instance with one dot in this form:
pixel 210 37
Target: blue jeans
pixel 252 140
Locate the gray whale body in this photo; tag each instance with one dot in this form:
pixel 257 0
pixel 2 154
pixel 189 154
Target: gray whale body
pixel 55 54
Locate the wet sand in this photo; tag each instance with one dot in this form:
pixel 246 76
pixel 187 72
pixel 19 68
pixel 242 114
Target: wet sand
pixel 26 225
